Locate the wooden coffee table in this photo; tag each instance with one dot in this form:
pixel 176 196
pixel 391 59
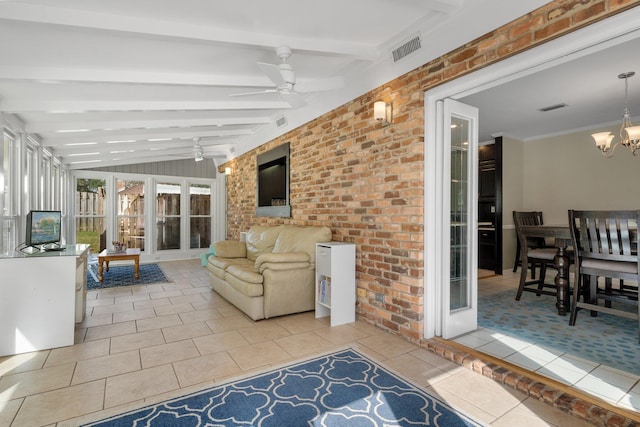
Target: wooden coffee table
pixel 106 257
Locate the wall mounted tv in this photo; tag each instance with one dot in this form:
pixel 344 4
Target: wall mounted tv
pixel 43 227
pixel 272 181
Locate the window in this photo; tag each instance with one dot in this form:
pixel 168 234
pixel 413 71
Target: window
pixel 200 215
pixel 168 215
pixel 130 221
pixel 90 213
pixel 7 218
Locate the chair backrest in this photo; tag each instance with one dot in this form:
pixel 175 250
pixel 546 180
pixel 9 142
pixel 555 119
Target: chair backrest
pixel 527 218
pixel 605 235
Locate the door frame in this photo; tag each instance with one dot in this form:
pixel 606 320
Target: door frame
pixel 595 37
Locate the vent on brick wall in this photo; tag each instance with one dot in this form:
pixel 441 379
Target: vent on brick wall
pixel 406 48
pixel 281 121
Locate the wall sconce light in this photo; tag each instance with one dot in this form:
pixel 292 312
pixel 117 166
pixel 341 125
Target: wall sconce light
pixel 382 112
pixel 227 170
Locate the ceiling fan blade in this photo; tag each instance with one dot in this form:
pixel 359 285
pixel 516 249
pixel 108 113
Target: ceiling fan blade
pixel 273 72
pixel 294 99
pixel 320 85
pixel 255 93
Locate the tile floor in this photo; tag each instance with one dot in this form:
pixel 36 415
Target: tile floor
pixel 605 382
pixel 147 343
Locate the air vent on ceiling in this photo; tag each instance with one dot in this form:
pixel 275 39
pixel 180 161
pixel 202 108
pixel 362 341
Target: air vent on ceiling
pixel 406 48
pixel 553 107
pixel 281 121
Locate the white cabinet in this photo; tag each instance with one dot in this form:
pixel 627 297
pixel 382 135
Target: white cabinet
pixel 42 296
pixel 336 282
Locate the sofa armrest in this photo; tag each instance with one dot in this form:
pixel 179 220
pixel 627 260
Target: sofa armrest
pixel 230 249
pixel 282 261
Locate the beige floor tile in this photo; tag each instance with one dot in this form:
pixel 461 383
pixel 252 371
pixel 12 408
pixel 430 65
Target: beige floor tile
pixel 205 368
pixel 115 292
pixel 388 345
pixel 79 335
pixel 158 322
pixel 301 323
pixel 61 404
pixel 200 315
pixel 174 309
pixel 165 294
pixel 366 327
pixel 8 411
pixel 257 355
pixel 186 299
pixel 91 320
pixel 531 409
pixel 168 353
pixel 263 332
pixel 27 383
pixel 100 301
pixel 84 351
pixel 197 289
pixel 303 344
pixel 211 302
pixel 181 332
pixel 23 362
pixel 415 370
pixel 108 331
pixel 134 315
pixel 465 407
pixel 342 334
pixel 437 361
pixel 113 308
pixel 136 341
pixel 230 323
pixel 132 298
pixel 481 392
pixel 106 366
pixel 136 385
pixel 220 342
pixel 229 311
pixel 141 305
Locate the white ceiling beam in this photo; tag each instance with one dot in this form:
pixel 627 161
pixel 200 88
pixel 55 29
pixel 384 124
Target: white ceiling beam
pixel 144 135
pixel 111 22
pixel 48 127
pixel 92 75
pixel 173 146
pixel 32 105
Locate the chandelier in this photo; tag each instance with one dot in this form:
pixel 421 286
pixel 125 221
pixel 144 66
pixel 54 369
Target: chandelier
pixel 629 134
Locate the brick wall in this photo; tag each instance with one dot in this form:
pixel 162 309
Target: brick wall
pixel 366 181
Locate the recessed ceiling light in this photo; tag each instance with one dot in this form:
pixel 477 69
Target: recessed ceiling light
pixel 121 151
pixel 119 142
pixel 72 130
pixel 82 154
pixel 81 143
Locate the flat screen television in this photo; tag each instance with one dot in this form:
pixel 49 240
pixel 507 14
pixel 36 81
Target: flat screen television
pixel 272 195
pixel 43 227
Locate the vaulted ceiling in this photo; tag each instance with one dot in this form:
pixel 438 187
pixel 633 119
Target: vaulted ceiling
pixel 109 82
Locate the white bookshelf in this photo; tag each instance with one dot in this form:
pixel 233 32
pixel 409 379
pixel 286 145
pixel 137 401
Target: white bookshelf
pixel 336 282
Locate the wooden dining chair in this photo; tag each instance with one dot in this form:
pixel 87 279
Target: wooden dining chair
pixel 533 253
pixel 606 248
pixel 527 218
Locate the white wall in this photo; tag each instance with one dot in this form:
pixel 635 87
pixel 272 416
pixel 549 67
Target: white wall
pixel 512 196
pixel 568 172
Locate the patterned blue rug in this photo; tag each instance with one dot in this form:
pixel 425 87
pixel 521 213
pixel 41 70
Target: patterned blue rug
pixel 340 389
pixel 123 275
pixel 605 339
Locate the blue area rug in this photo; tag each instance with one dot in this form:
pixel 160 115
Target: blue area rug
pixel 123 275
pixel 340 389
pixel 605 339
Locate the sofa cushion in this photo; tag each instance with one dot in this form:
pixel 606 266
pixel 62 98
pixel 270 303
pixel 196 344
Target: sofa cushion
pixel 247 282
pixel 301 239
pixel 230 249
pixel 260 240
pixel 217 266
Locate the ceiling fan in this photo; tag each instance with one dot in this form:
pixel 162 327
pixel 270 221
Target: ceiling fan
pixel 284 78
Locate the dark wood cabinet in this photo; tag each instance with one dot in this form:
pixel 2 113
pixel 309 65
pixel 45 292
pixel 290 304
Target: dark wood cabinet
pixel 490 206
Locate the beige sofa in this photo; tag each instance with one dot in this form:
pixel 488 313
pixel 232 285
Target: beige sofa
pixel 272 273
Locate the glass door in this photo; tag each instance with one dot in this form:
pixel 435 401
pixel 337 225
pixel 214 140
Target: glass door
pixel 460 143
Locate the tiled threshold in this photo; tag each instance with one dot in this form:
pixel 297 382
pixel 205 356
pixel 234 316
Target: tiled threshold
pixel 549 391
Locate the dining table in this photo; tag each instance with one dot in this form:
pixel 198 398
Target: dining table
pixel 561 235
